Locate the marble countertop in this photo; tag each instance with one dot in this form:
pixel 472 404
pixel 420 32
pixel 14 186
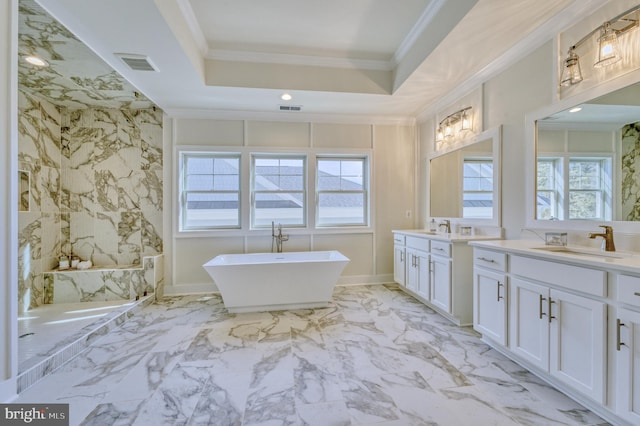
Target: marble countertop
pixel 623 261
pixel 443 236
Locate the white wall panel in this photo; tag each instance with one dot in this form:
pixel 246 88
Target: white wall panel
pixel 278 134
pixel 341 135
pixel 209 132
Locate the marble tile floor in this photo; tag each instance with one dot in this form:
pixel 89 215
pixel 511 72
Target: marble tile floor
pixel 374 356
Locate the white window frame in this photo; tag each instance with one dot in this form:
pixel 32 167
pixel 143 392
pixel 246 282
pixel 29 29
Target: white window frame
pixel 555 189
pixel 303 192
pixel 184 155
pixel 365 191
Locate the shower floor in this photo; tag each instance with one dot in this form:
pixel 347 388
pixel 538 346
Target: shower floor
pixel 52 334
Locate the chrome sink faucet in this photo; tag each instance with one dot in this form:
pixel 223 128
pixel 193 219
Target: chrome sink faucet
pixel 447 225
pixel 607 243
pixel 277 237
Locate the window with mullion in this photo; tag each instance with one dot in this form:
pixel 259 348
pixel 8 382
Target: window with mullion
pixel 341 191
pixel 477 198
pixel 278 190
pixel 546 195
pixel 586 192
pixel 209 191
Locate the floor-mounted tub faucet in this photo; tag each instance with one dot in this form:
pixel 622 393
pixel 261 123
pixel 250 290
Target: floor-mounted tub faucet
pixel 277 237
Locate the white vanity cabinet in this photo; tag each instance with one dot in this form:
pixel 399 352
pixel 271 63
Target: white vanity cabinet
pixel 437 271
pixel 572 319
pixel 558 321
pixel 490 295
pixel 441 284
pixel 417 266
pixel 399 259
pixel 627 348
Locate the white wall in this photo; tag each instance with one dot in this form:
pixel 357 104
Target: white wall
pixel 9 206
pixel 508 97
pixel 393 152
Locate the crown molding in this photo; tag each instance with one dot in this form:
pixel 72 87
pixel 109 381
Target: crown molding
pixel 423 21
pixel 290 117
pixel 192 22
pixel 292 59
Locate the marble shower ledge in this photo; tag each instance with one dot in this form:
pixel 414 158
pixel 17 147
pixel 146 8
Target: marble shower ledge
pixel 106 283
pixel 96 268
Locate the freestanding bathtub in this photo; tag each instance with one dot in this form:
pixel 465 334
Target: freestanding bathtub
pixel 276 281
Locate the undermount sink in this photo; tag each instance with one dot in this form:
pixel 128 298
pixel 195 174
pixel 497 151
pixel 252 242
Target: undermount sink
pixel 580 251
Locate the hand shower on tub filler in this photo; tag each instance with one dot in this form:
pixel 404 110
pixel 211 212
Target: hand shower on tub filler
pixel 277 237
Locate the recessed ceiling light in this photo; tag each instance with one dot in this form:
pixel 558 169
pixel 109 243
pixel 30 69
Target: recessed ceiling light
pixel 576 109
pixel 285 97
pixel 34 60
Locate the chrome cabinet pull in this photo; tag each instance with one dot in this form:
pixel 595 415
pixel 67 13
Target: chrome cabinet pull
pixel 401 256
pixel 542 299
pixel 484 259
pixel 498 288
pixel 637 293
pixel 618 342
pixel 551 301
pixel 438 248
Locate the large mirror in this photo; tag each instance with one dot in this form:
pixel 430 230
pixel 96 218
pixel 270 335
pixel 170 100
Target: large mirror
pixel 587 160
pixel 464 183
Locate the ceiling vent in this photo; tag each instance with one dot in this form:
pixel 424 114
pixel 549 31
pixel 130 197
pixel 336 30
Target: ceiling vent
pixel 290 107
pixel 136 62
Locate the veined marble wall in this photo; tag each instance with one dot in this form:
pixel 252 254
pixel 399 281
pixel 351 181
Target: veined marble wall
pixel 631 172
pixel 95 188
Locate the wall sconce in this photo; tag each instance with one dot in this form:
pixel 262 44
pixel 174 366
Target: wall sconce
pixel 608 50
pixel 607 47
pixel 447 128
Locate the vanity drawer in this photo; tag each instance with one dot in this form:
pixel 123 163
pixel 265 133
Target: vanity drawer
pixel 629 290
pixel 578 278
pixel 440 248
pixel 398 239
pixel 490 259
pixel 417 243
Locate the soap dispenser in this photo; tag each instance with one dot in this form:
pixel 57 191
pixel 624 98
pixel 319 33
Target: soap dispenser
pixel 432 225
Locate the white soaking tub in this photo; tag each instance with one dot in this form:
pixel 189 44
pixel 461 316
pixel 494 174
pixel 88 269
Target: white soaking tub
pixel 276 281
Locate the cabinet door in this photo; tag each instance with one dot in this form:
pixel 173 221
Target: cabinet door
pixel 411 281
pixel 528 321
pixel 441 282
pixel 490 304
pixel 627 341
pixel 577 342
pixel 399 264
pixel 423 269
